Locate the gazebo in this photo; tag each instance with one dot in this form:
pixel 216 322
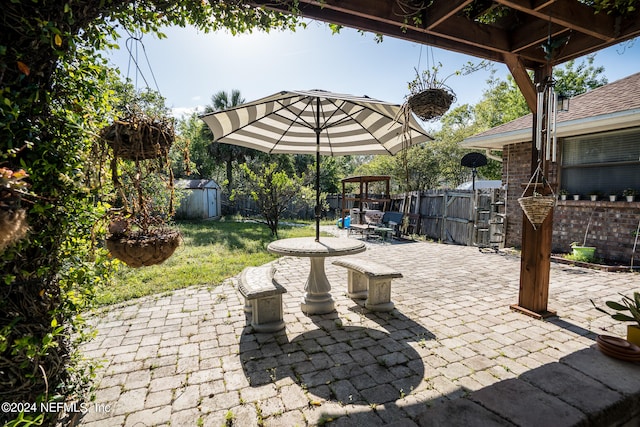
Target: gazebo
pixel 524 35
pixel 363 197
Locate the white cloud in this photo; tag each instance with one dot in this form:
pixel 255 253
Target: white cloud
pixel 182 112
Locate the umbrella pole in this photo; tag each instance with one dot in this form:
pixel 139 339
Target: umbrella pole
pixel 317 169
pixel 318 196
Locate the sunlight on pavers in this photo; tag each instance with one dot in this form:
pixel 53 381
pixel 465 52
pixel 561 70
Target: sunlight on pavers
pixel 188 358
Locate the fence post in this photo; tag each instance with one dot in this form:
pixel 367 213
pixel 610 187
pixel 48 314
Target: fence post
pixel 443 228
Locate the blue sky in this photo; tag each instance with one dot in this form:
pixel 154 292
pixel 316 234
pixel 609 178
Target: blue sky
pixel 189 67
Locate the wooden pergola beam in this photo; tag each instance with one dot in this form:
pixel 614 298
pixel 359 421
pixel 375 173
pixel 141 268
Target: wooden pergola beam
pixel 388 27
pixel 440 12
pixel 572 15
pixel 443 24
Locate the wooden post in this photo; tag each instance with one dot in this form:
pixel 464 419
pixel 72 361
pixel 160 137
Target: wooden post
pixel 342 207
pixel 535 258
pixel 387 195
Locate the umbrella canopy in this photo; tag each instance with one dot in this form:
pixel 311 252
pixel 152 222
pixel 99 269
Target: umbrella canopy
pixel 317 122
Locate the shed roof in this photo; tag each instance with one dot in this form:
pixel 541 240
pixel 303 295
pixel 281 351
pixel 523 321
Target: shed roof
pixel 195 184
pixel 609 107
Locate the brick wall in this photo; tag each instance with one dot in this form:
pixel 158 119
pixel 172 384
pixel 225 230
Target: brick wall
pixel 612 223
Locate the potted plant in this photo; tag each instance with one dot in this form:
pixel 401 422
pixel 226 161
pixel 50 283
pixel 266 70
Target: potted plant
pixel 593 195
pixel 139 233
pixel 13 218
pixel 563 194
pixel 141 243
pixel 630 194
pixel 630 305
pixel 576 197
pixel 613 197
pixel 429 96
pixel 139 230
pixel 139 136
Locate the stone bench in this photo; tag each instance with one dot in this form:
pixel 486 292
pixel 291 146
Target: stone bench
pixel 371 280
pixel 263 298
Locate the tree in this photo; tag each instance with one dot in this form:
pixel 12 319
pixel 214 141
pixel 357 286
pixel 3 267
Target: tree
pixel 227 153
pixel 503 101
pixel 332 170
pixel 191 153
pixel 271 187
pixel 53 101
pixel 384 165
pixel 573 80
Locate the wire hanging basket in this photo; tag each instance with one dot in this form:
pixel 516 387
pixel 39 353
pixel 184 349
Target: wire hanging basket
pixel 140 137
pixel 537 206
pixel 143 249
pixel 431 103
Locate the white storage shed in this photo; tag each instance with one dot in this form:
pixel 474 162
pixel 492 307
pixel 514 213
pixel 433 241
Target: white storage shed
pixel 201 199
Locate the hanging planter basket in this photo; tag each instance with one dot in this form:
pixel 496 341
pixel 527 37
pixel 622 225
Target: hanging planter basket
pixel 139 137
pixel 13 226
pixel 142 249
pixel 537 206
pixel 431 103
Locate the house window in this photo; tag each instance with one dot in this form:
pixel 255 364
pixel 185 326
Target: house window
pixel 606 163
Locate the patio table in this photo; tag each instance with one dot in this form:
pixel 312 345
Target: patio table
pixel 317 299
pixel 385 232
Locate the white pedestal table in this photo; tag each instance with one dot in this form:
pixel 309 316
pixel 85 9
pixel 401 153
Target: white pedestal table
pixel 317 299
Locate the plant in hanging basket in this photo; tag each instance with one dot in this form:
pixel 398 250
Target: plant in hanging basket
pixel 13 218
pixel 139 136
pixel 431 103
pixel 142 177
pixel 429 96
pixel 142 248
pixel 138 231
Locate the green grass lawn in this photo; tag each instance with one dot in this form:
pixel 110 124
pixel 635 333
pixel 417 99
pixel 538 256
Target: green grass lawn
pixel 211 251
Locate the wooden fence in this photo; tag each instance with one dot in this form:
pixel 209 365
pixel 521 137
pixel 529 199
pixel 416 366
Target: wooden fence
pixel 458 216
pixel 452 216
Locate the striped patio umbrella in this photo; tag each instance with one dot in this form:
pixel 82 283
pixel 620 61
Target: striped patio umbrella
pixel 317 122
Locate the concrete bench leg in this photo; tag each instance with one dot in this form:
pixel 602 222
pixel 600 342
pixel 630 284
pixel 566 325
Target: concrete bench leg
pixel 379 298
pixel 266 314
pixel 356 285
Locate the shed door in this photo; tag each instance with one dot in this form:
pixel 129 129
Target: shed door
pixel 211 202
